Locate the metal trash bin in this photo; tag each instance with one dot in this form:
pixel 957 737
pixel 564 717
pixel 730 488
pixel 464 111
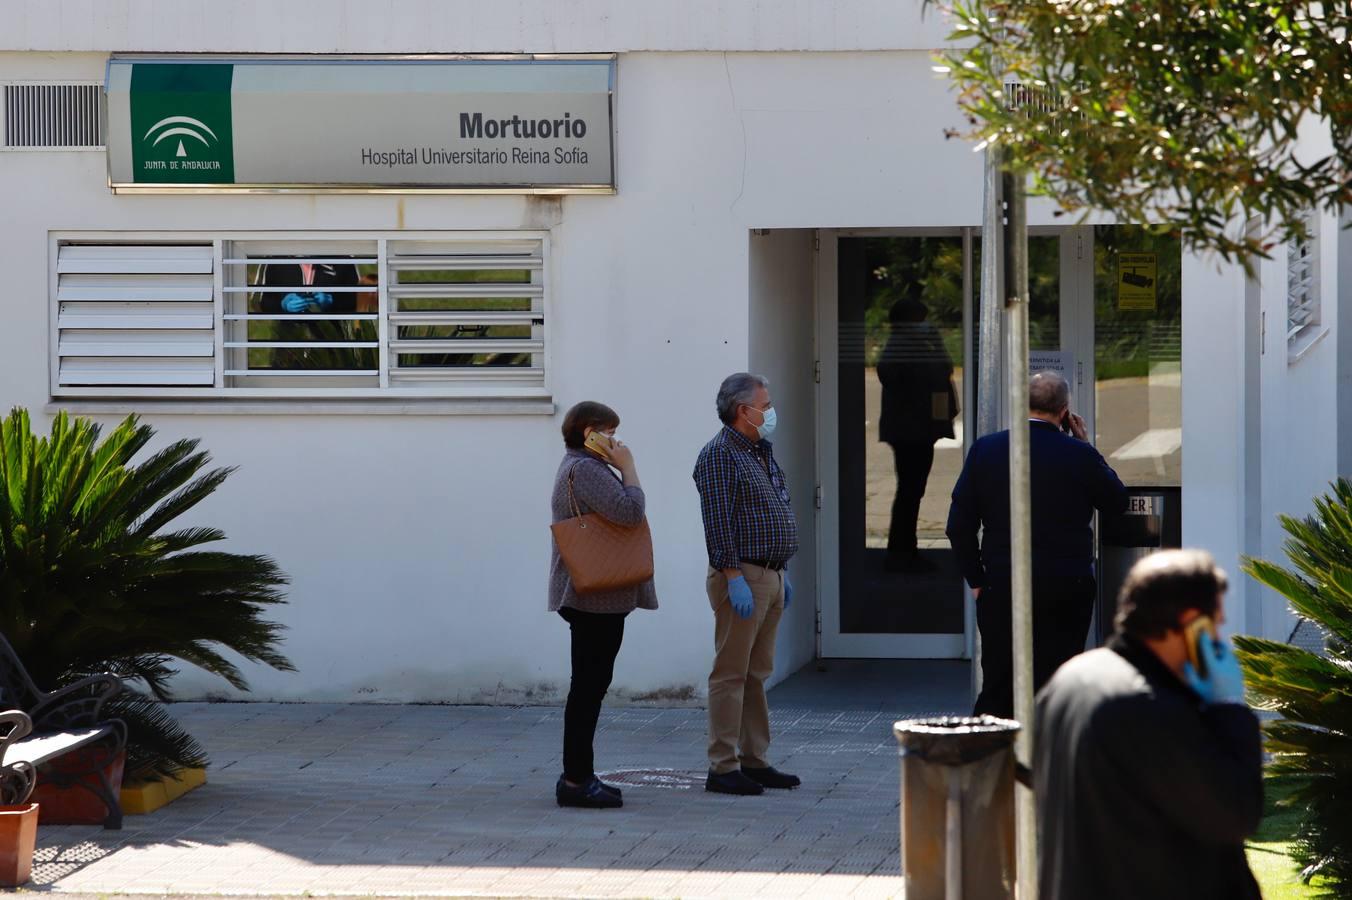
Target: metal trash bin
pixel 1153 521
pixel 957 807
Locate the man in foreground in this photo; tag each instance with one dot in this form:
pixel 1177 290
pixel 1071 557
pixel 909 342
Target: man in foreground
pixel 1148 775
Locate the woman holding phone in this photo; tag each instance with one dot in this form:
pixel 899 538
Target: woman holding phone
pixel 591 458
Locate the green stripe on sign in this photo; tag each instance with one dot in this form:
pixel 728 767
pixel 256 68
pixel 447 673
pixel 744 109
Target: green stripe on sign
pixel 180 123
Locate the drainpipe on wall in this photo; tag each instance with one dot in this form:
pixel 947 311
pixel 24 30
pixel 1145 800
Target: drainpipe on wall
pixel 992 290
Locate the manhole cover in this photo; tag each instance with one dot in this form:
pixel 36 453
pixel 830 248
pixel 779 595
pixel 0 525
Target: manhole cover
pixel 671 779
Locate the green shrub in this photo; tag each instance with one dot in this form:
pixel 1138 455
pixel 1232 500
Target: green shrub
pixel 1312 694
pixel 94 578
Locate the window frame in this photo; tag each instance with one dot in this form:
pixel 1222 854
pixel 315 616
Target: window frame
pixel 1296 336
pixel 485 388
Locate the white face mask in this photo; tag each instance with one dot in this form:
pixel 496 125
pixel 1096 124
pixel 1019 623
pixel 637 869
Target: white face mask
pixel 768 420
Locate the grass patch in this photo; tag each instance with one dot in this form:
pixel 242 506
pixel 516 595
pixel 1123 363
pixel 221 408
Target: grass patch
pixel 1269 850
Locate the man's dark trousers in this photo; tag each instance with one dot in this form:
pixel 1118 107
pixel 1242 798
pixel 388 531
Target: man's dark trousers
pixel 1062 609
pixel 914 461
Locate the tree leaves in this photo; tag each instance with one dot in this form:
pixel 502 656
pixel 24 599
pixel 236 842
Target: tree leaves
pixel 1198 113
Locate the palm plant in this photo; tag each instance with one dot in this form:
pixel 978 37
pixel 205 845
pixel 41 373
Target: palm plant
pixel 1312 739
pixel 94 579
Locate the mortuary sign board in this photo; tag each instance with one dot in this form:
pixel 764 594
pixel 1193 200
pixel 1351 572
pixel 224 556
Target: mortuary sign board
pixel 356 124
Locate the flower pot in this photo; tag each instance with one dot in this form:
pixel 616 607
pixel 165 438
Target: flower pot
pixel 69 791
pixel 18 836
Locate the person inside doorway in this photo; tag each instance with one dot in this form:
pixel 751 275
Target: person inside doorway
pixel 1070 479
pixel 919 404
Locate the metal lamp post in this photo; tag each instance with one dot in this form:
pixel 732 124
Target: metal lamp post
pixel 1004 308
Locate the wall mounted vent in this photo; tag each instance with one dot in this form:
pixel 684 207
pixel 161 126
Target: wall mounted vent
pixel 50 116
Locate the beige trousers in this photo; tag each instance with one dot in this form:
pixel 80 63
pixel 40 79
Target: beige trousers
pixel 744 656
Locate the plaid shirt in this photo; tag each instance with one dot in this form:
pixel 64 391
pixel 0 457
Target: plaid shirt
pixel 744 499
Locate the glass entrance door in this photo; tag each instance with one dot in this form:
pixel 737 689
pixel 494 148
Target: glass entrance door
pixel 896 327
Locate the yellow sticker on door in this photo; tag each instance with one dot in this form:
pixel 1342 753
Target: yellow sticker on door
pixel 1137 281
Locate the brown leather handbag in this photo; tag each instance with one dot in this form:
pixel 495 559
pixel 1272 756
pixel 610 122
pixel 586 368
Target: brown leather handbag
pixel 600 555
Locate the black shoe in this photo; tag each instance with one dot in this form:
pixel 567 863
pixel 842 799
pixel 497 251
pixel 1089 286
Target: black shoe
pixel 609 788
pixel 771 777
pixel 733 782
pixel 591 795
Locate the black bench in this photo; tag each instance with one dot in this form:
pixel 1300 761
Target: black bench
pixel 39 728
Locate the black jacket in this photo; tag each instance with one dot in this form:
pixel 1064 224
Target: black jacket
pixel 1142 792
pixel 325 275
pixel 1070 479
pixel 919 401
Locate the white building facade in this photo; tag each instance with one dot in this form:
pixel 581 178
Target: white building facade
pixel 778 168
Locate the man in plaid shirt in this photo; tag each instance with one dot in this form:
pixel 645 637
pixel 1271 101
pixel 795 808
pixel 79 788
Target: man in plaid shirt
pixel 751 535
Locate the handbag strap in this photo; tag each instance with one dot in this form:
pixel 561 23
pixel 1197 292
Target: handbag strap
pixel 572 498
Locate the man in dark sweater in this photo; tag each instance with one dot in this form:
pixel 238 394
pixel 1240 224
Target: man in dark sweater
pixel 1148 775
pixel 1070 479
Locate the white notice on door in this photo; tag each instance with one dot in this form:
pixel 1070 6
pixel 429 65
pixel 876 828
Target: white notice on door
pixel 1062 362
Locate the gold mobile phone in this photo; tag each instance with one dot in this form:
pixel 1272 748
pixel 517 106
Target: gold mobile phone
pixel 1198 630
pixel 599 444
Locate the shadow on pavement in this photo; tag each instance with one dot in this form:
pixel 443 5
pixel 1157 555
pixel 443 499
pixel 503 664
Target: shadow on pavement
pixel 361 799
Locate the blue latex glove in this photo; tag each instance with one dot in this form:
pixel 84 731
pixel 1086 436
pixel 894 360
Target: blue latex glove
pixel 788 590
pixel 1225 680
pixel 739 594
pixel 307 303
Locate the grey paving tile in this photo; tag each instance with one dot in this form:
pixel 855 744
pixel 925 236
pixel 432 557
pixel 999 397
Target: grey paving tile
pixel 337 799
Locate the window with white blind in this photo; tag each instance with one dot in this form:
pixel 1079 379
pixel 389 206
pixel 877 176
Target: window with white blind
pixel 238 315
pixel 134 315
pixel 1302 279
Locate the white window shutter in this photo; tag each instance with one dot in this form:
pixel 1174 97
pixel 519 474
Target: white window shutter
pixel 1302 278
pixel 467 313
pixel 135 315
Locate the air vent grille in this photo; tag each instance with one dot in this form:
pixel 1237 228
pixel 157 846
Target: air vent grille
pixel 52 116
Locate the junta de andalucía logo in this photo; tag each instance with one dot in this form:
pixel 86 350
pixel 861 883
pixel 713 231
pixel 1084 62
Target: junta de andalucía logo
pixel 181 127
pixel 182 123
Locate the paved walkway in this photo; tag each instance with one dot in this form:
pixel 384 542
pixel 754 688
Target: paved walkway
pixel 438 800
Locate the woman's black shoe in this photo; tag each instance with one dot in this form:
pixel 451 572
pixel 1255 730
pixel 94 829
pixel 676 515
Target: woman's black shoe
pixel 609 788
pixel 592 795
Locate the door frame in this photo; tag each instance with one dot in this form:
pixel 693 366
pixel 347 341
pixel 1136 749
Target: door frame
pixel 1076 290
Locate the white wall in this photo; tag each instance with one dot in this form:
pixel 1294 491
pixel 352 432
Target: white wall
pixel 1226 511
pixel 417 545
pixel 1300 423
pixel 466 26
pixel 783 302
pixel 1212 406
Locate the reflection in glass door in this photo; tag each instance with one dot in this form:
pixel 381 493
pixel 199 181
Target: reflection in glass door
pixel 1044 300
pixel 901 370
pixel 1138 358
pixel 895 327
